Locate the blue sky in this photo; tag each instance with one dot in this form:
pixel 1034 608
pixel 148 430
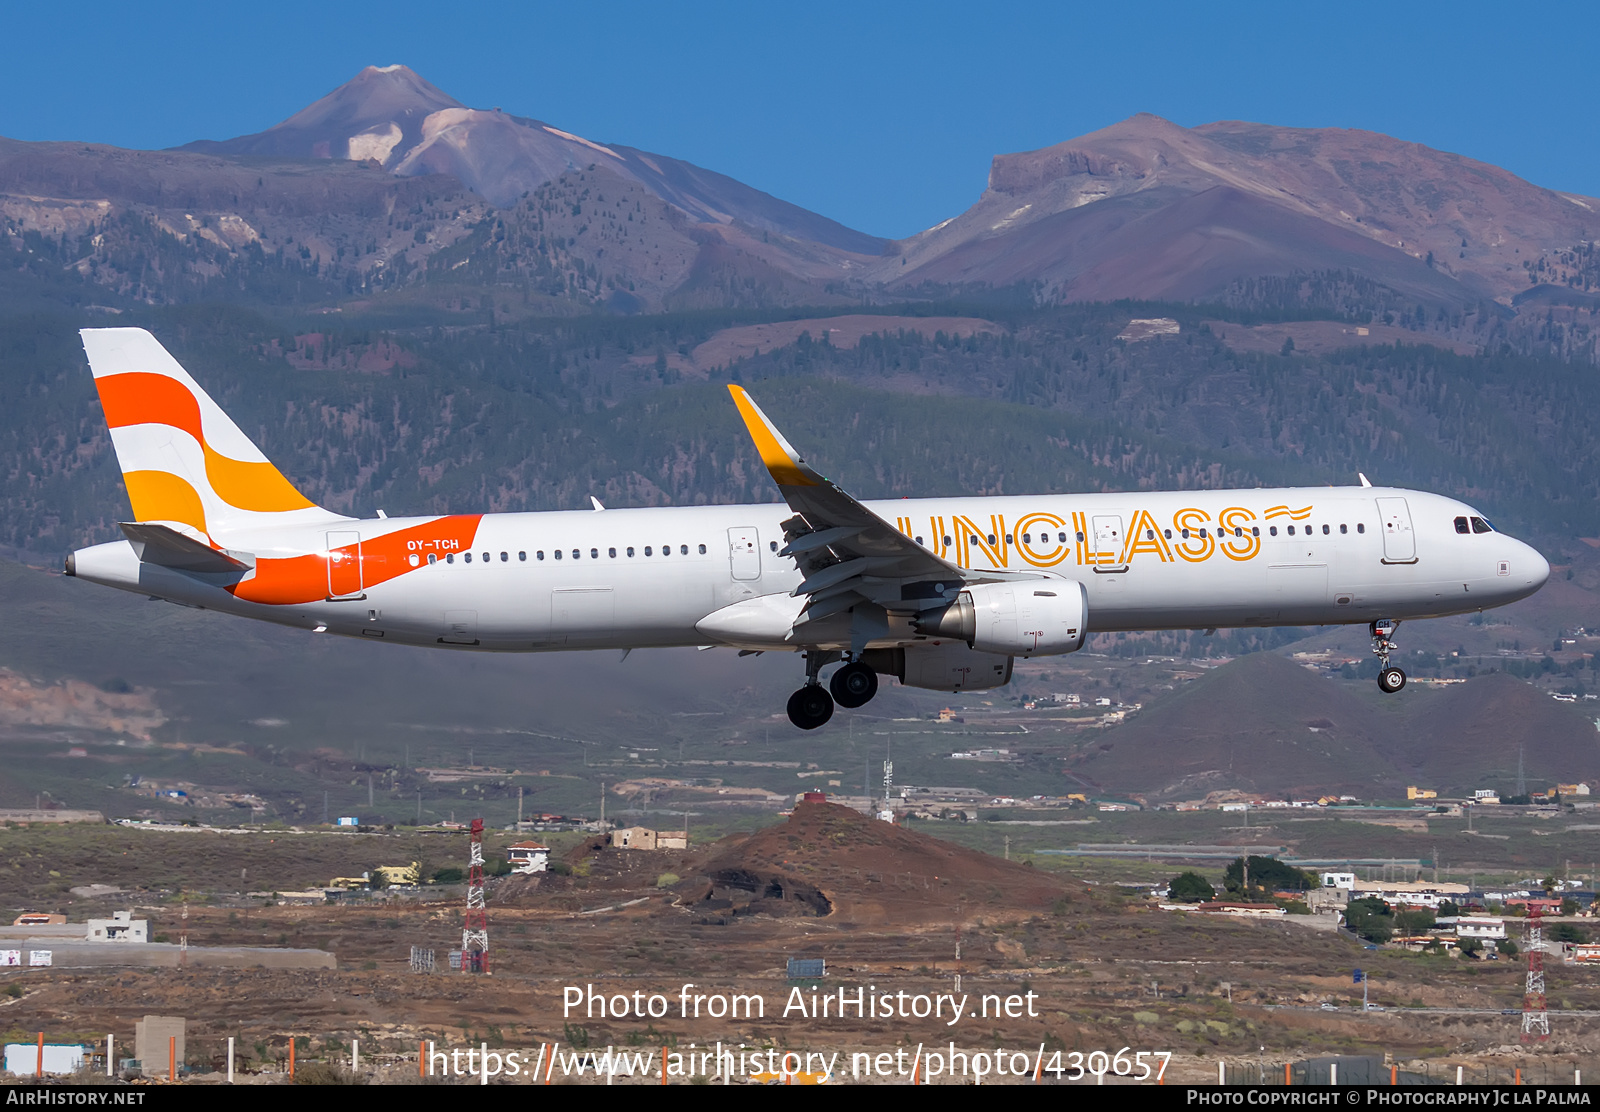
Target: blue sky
pixel 881 116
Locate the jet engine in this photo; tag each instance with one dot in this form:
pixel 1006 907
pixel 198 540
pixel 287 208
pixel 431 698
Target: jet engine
pixel 941 666
pixel 1040 617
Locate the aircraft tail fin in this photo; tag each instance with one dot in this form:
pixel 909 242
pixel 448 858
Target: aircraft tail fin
pixel 185 463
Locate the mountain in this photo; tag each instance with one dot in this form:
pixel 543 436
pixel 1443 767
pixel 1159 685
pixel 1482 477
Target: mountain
pixel 1261 724
pixel 1265 724
pixel 514 212
pixel 392 116
pixel 1148 209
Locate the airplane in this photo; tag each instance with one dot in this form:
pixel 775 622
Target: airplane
pixel 940 593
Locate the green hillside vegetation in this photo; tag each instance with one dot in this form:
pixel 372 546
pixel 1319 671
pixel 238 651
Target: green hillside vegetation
pixel 542 415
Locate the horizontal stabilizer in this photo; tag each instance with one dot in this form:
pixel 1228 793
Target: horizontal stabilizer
pixel 163 545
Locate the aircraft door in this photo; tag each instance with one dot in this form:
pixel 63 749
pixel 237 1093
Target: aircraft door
pixel 1107 541
pixel 1399 541
pixel 744 552
pixel 344 565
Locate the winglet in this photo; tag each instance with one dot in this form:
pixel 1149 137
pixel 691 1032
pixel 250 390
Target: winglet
pixel 785 464
pixel 1366 482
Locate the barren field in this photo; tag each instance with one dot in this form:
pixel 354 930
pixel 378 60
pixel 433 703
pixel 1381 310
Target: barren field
pixel 886 908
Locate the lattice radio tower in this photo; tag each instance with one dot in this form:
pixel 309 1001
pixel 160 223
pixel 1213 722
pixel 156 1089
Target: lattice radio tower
pixel 475 932
pixel 1535 1015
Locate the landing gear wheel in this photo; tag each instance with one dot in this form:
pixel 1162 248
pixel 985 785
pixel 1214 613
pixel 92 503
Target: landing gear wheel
pixel 854 685
pixel 1391 680
pixel 810 707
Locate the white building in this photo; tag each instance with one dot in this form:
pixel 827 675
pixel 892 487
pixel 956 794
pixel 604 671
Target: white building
pixel 1416 894
pixel 528 857
pixel 1481 927
pixel 121 927
pixel 1339 880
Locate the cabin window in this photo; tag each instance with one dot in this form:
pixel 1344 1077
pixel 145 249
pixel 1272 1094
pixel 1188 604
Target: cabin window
pixel 577 553
pixel 468 557
pixel 432 559
pixel 1481 526
pixel 1184 533
pixel 1361 527
pixel 918 540
pixel 1202 534
pixel 594 554
pixel 1291 530
pixel 558 554
pixel 1272 530
pixel 683 550
pixel 1009 540
pixel 1061 538
pixel 612 552
pixel 647 550
pixel 450 559
pixel 1167 533
pixel 666 550
pixel 702 550
pixel 1149 534
pixel 486 557
pixel 1238 532
pixel 505 557
pixel 1080 536
pixel 539 555
pixel 1325 530
pixel 630 550
pixel 1344 529
pixel 1255 530
pixel 522 557
pixel 947 542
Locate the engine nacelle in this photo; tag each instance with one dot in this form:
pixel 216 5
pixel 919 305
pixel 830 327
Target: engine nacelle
pixel 1040 617
pixel 941 666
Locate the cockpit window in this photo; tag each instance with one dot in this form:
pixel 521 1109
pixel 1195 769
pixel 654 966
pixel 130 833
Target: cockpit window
pixel 1461 525
pixel 1481 526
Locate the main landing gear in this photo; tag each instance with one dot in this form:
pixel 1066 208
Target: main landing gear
pixel 852 686
pixel 1391 678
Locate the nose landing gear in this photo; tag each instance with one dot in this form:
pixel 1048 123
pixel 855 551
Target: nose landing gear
pixel 1391 678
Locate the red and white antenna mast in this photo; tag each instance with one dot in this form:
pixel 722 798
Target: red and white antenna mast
pixel 475 932
pixel 1535 1015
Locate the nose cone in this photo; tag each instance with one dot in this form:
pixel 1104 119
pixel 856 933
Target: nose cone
pixel 1529 570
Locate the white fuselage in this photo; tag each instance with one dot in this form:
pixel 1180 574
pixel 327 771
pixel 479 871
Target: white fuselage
pixel 1149 561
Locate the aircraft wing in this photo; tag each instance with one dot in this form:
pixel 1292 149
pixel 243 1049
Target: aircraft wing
pixel 843 549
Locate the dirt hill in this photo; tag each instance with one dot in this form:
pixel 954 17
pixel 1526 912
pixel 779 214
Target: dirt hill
pixel 1468 736
pixel 866 872
pixel 1260 723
